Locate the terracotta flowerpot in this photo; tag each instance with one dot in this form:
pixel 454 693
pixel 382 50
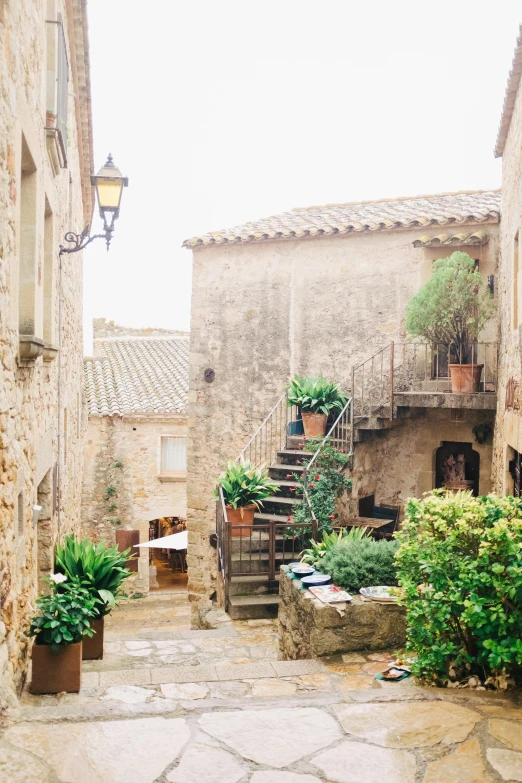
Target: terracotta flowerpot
pixel 93 646
pixel 57 672
pixel 314 424
pixel 241 516
pixel 465 378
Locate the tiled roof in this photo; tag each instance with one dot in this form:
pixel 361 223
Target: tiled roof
pixel 460 238
pixel 510 97
pixel 437 210
pixel 137 375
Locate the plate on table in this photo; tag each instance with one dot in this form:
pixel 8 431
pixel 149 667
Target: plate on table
pixel 379 593
pixel 301 571
pixel 316 580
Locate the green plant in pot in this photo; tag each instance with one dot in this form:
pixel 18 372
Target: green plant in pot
pixel 244 490
pixel 62 621
pixel 316 398
pixel 450 310
pixel 102 570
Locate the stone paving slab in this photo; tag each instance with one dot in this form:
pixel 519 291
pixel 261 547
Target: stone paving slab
pixel 244 671
pixel 183 674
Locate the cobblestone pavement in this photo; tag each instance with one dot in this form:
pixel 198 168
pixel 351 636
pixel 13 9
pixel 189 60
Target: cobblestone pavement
pixel 171 704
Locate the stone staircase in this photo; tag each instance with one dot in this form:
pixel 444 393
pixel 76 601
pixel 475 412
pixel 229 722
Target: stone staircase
pixel 252 595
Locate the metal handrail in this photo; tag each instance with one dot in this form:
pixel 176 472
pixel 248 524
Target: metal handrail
pixel 270 436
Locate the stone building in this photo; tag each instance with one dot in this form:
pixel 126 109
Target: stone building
pixel 508 433
pixel 322 290
pixel 136 387
pixel 45 191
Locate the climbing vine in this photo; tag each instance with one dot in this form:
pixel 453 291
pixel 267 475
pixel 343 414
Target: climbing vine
pixel 111 493
pixel 326 483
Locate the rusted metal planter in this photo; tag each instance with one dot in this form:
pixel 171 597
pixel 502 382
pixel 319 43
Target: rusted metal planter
pixel 57 672
pixel 314 424
pixel 93 645
pixel 241 516
pixel 465 378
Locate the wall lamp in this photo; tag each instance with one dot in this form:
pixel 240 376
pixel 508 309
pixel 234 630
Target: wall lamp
pixel 109 184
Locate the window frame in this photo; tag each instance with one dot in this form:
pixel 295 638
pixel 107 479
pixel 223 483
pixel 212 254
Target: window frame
pixel 179 474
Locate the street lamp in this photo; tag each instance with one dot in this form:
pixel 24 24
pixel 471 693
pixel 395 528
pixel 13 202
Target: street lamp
pixel 109 183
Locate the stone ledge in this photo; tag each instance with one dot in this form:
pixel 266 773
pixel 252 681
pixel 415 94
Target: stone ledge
pixel 310 629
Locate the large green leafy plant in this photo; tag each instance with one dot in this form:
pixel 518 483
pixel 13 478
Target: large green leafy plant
pixel 244 485
pixel 101 568
pixel 452 307
pixel 360 561
pixel 325 483
pixel 65 615
pixel 460 566
pixel 315 553
pixel 315 395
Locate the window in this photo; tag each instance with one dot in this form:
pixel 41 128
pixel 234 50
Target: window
pixel 57 84
pixel 173 454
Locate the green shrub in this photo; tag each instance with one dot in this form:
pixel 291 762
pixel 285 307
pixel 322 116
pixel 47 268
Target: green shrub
pixel 360 561
pixel 100 568
pixel 460 567
pixel 315 395
pixel 244 485
pixel 315 554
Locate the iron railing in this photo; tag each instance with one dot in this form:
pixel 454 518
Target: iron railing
pixel 260 550
pixel 270 436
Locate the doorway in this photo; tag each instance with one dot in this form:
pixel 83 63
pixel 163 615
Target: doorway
pixel 457 466
pixel 167 567
pixel 515 465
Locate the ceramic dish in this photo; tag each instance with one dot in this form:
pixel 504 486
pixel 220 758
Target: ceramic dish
pixel 301 571
pixel 297 564
pixel 380 593
pixel 315 580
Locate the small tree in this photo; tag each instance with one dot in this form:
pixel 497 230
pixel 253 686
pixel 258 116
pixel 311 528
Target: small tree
pixel 452 307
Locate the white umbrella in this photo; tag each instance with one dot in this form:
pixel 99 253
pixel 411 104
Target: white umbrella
pixel 175 541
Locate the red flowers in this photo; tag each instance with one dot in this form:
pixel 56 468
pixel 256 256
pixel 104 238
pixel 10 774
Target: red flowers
pixel 289 475
pixel 341 451
pixel 317 478
pixel 289 519
pixel 300 445
pixel 292 489
pixel 332 516
pixel 312 486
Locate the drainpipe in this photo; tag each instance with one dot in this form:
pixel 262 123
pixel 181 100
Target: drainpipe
pixel 59 427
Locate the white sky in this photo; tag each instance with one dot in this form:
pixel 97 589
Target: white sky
pixel 224 111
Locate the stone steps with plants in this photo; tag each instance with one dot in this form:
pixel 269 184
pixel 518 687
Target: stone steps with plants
pixel 280 471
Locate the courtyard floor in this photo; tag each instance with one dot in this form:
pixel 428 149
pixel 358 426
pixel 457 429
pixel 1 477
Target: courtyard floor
pixel 169 704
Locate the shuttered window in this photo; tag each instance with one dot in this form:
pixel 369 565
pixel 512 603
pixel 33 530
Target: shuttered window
pixel 173 455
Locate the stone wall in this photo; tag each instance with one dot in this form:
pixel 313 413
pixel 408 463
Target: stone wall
pixel 39 202
pixel 399 463
pixel 308 628
pixel 124 453
pixel 262 311
pixel 508 431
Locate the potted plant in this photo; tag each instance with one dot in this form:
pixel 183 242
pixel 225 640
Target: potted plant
pixel 62 621
pixel 244 489
pixel 102 570
pixel 451 310
pixel 316 398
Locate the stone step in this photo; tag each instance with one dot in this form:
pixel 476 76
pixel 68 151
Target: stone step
pixel 253 585
pixel 287 488
pixel 280 471
pixel 262 518
pixel 280 505
pixel 257 562
pixel 253 607
pixel 293 457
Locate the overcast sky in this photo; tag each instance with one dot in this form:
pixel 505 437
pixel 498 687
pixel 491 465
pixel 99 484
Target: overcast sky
pixel 224 111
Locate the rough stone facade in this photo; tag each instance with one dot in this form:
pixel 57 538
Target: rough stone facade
pixel 508 431
pixel 124 485
pixel 309 628
pixel 262 311
pixel 41 198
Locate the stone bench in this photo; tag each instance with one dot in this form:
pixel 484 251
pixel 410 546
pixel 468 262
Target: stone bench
pixel 308 628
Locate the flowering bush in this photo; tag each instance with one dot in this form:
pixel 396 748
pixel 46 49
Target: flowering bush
pixel 65 615
pixel 460 567
pixel 326 483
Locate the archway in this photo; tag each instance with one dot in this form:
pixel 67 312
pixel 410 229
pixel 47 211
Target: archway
pixel 457 466
pixel 167 567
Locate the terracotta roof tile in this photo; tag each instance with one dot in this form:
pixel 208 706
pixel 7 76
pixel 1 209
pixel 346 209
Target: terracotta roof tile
pixel 137 375
pixel 459 238
pixel 510 96
pixel 437 210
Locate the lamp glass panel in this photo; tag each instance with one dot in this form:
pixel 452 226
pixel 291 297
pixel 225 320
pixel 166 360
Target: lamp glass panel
pixel 109 192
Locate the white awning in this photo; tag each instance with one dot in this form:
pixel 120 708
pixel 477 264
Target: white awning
pixel 175 541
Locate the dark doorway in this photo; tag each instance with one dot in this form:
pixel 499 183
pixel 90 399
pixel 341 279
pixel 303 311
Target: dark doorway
pixel 515 465
pixel 457 466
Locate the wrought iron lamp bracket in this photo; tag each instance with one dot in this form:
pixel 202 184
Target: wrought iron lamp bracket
pixel 80 241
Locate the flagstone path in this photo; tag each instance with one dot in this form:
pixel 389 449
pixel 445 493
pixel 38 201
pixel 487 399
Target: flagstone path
pixel 172 705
